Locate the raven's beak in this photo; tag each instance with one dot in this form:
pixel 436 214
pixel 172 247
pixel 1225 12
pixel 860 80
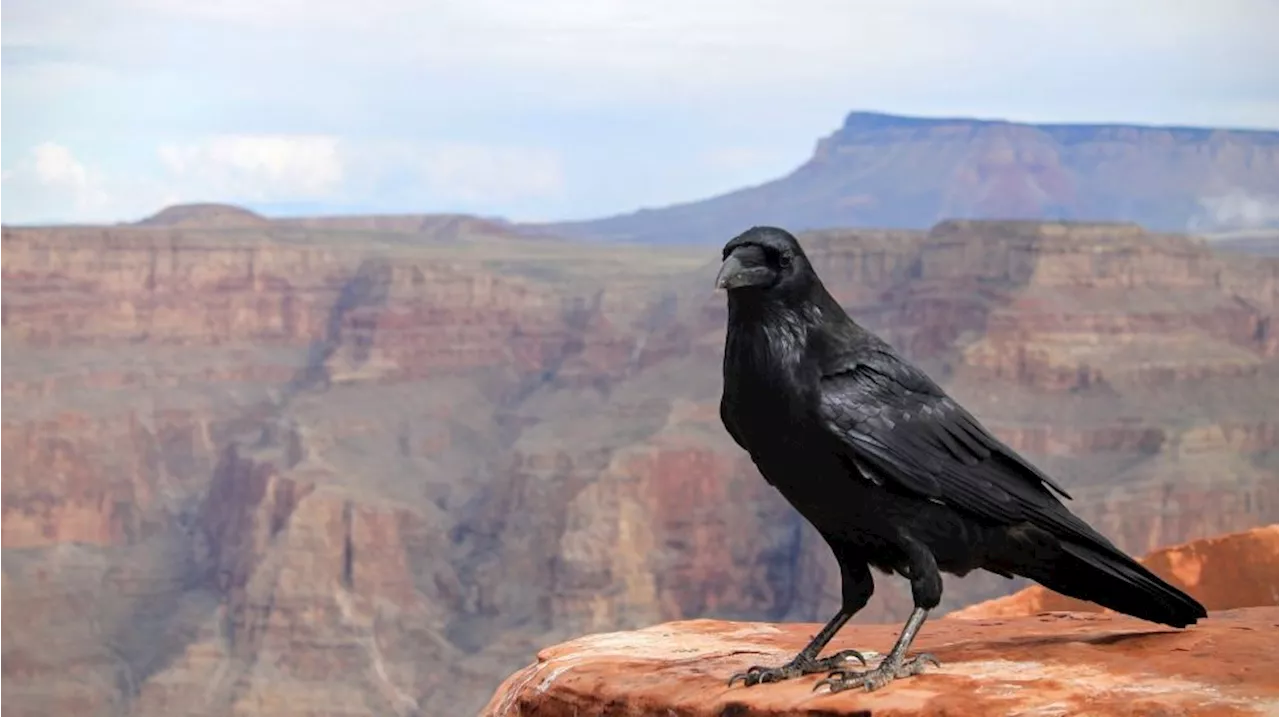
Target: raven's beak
pixel 734 273
pixel 730 270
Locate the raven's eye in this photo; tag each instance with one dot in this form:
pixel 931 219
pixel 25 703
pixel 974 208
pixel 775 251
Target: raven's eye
pixel 784 260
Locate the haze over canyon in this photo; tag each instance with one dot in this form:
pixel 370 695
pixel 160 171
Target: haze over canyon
pixel 371 464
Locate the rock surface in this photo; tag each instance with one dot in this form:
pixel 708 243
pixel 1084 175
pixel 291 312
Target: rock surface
pixel 1053 664
pixel 369 466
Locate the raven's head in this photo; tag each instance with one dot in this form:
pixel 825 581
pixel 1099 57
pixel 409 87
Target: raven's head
pixel 764 261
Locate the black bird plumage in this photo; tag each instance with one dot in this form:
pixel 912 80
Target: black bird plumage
pixel 893 472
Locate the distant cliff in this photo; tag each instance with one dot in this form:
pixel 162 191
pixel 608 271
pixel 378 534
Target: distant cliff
pixel 888 171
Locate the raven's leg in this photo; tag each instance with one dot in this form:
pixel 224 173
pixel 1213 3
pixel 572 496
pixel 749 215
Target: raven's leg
pixel 856 588
pixel 926 593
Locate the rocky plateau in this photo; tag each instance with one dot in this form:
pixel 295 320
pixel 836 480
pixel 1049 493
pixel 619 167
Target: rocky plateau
pixel 1033 653
pixel 903 172
pixel 1052 664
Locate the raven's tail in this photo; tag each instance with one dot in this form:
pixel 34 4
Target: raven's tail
pixel 1113 580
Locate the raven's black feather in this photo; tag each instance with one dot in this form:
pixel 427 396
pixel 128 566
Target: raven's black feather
pixel 892 471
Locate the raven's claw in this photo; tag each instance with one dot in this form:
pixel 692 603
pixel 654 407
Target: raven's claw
pixel 881 675
pixel 757 674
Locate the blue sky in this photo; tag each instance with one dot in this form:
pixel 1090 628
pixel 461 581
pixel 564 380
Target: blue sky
pixel 551 109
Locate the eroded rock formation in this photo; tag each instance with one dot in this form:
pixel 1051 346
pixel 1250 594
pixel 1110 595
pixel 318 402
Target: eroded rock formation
pixel 309 468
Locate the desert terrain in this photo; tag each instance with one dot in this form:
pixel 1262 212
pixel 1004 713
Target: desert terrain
pixel 371 465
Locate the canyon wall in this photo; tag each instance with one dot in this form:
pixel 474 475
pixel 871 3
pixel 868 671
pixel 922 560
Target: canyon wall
pixel 312 467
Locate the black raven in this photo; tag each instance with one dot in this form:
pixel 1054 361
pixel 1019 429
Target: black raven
pixel 891 471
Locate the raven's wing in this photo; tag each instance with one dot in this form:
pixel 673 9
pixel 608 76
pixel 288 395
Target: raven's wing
pixel 726 418
pixel 904 432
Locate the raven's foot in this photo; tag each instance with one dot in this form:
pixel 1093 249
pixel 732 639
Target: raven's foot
pixel 799 666
pixel 883 674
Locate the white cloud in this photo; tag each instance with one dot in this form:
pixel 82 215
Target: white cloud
pixel 49 183
pixel 678 50
pixel 299 168
pixel 604 33
pixel 1234 209
pixel 54 165
pixel 475 173
pixel 261 168
pixel 280 100
pixel 304 15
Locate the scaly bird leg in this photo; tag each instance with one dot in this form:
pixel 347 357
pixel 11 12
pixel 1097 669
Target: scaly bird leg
pixel 894 666
pixel 806 662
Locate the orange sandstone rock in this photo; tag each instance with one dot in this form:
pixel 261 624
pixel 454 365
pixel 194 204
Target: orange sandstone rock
pixel 1058 664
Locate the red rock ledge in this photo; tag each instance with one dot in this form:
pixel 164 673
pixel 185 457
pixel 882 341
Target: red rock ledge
pixel 1044 665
